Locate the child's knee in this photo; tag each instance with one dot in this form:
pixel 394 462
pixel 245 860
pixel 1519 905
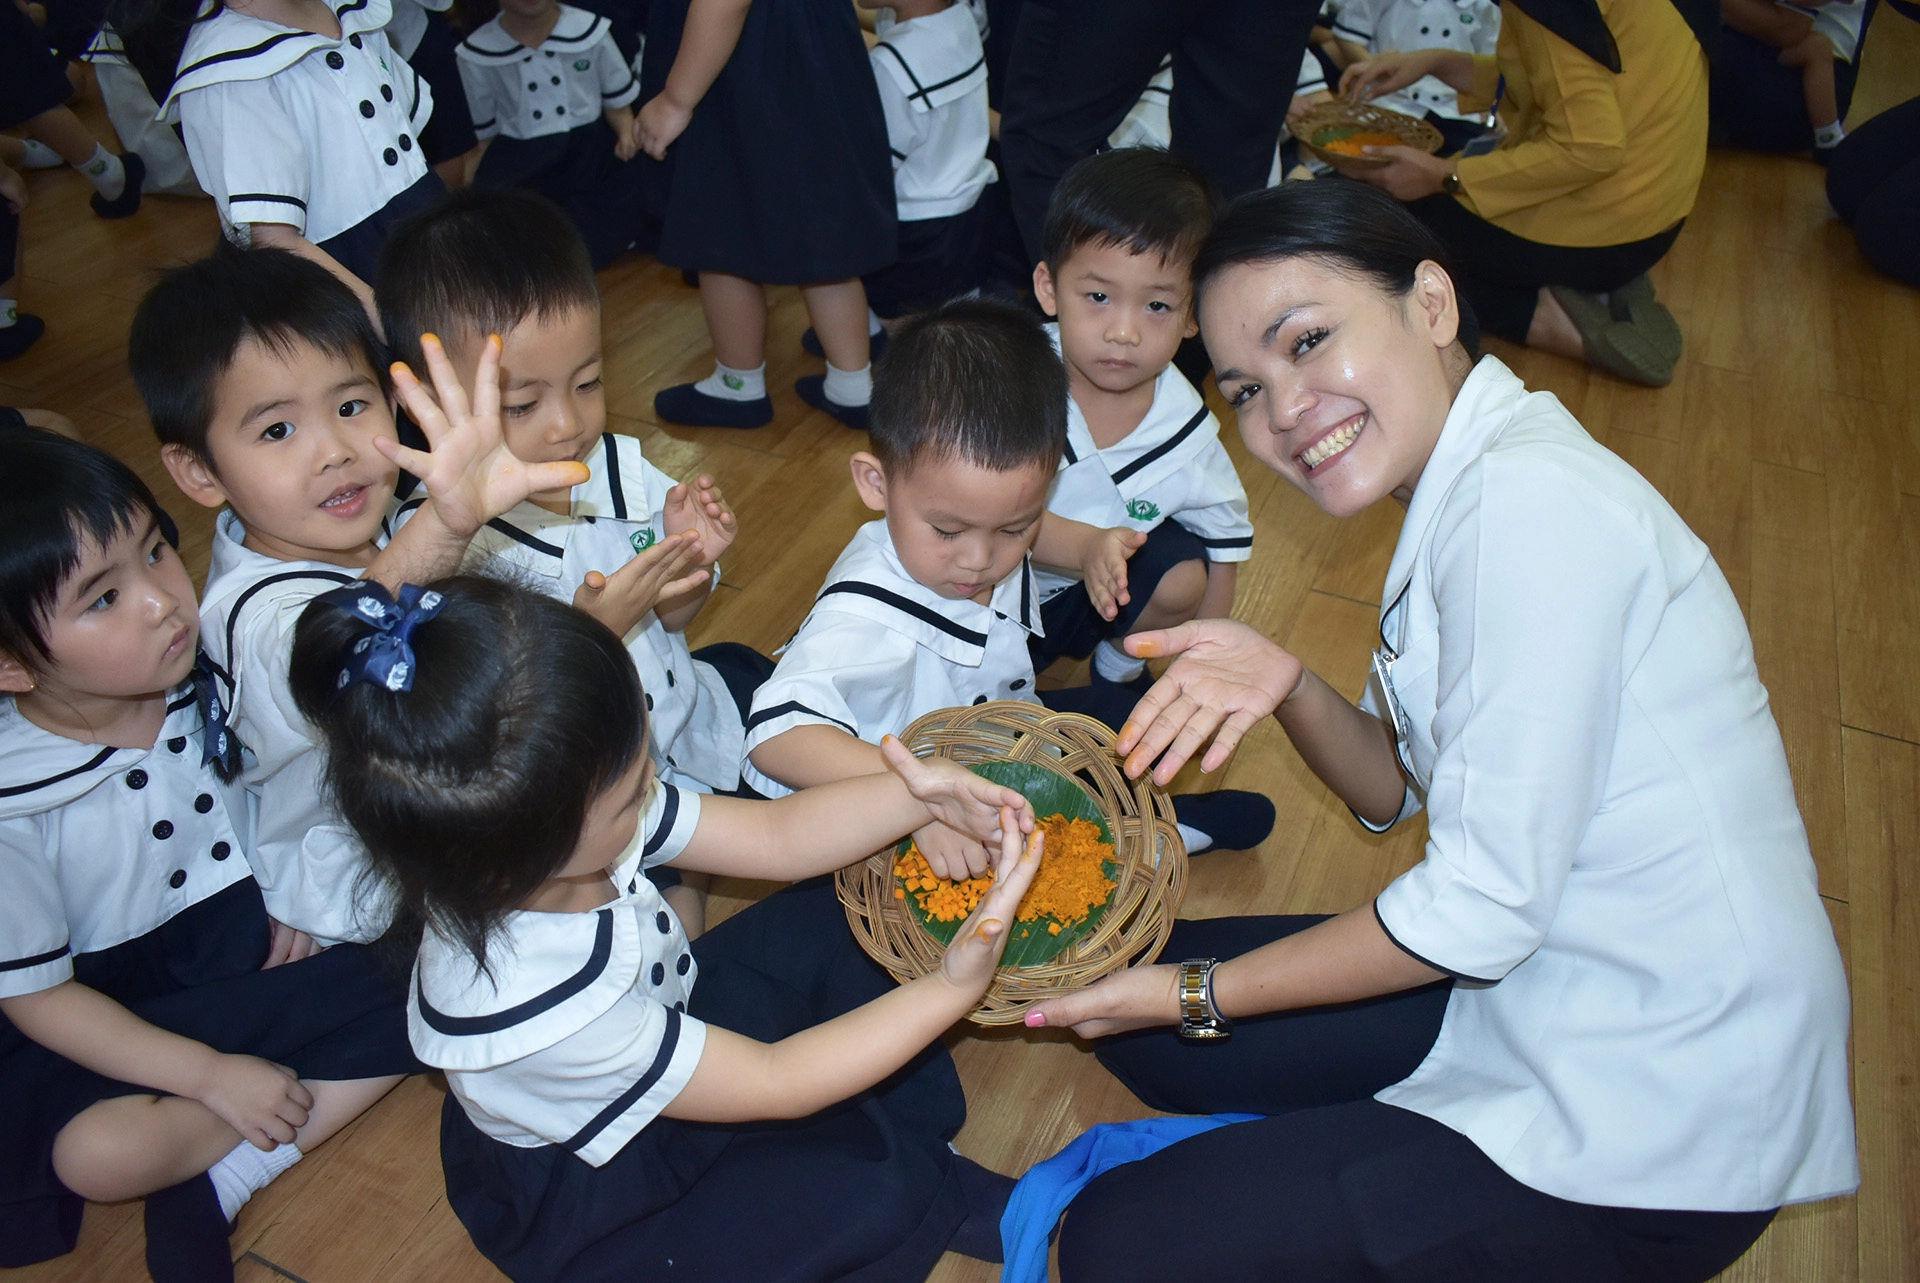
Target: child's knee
pixel 1180 590
pixel 90 1154
pixel 1809 51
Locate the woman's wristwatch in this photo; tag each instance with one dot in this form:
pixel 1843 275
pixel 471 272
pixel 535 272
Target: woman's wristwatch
pixel 1200 1021
pixel 1451 183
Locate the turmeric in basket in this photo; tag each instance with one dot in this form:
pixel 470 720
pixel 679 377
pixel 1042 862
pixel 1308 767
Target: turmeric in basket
pixel 1355 144
pixel 1072 881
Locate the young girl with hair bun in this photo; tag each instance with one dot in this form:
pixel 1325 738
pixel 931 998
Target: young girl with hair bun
pixel 621 1102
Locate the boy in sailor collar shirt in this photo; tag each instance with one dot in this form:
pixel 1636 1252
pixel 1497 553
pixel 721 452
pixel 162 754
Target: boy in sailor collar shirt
pixel 260 375
pixel 1147 520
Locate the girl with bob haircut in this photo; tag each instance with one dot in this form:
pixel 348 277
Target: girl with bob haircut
pixel 1599 1032
pixel 160 1036
pixel 614 1089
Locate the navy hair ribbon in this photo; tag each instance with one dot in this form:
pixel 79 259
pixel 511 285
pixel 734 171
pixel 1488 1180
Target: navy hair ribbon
pixel 219 746
pixel 383 657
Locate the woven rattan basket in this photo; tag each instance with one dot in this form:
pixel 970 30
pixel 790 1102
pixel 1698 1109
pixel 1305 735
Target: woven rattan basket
pixel 1337 118
pixel 1151 859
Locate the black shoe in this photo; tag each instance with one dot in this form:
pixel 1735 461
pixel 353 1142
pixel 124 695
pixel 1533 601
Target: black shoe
pixel 127 202
pixel 688 406
pixel 813 390
pixel 986 1193
pixel 810 343
pixel 21 335
pixel 1232 819
pixel 187 1237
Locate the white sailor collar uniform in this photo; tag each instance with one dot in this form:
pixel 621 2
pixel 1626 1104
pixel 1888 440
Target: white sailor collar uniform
pixel 576 1035
pixel 1652 1010
pixel 309 863
pixel 100 845
pixel 285 126
pixel 932 76
pixel 1470 26
pixel 576 74
pixel 1172 467
pixel 880 649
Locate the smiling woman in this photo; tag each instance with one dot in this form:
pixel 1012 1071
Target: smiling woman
pixel 1556 1048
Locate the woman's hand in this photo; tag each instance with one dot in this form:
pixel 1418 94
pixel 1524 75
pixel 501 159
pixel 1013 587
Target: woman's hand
pixel 1409 174
pixel 1227 678
pixel 1136 998
pixel 982 938
pixel 625 597
pixel 658 124
pixel 956 797
pixel 266 1103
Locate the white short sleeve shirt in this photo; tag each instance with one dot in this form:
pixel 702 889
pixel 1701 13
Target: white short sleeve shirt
pixel 575 75
pixel 932 74
pixel 1172 467
pixel 312 869
pixel 880 649
pixel 576 1035
pixel 284 126
pixel 100 845
pixel 1652 1011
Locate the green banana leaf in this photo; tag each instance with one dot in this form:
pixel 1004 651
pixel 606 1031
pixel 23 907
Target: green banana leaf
pixel 1051 794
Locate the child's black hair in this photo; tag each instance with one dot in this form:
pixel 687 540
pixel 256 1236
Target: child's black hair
pixel 471 789
pixel 480 262
pixel 976 380
pixel 1142 199
pixel 56 497
pixel 192 323
pixel 1351 227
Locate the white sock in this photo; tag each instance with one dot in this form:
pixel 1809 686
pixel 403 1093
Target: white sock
pixel 245 1171
pixel 104 170
pixel 875 326
pixel 849 387
pixel 1828 135
pixel 1115 664
pixel 730 384
pixel 39 155
pixel 1196 840
pixel 9 312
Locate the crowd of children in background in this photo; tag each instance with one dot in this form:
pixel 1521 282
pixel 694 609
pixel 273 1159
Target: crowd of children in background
pixel 430 776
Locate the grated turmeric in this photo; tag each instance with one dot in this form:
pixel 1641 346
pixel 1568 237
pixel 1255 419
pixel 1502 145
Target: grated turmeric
pixel 1071 883
pixel 1356 143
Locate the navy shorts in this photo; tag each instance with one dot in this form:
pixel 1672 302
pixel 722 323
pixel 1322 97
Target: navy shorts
pixel 1074 627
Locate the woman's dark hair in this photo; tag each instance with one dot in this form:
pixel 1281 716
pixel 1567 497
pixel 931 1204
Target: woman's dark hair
pixel 480 262
pixel 976 380
pixel 471 789
pixel 1347 226
pixel 56 497
pixel 192 323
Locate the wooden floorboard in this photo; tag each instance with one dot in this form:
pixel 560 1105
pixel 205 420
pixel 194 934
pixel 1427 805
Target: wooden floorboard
pixel 1790 441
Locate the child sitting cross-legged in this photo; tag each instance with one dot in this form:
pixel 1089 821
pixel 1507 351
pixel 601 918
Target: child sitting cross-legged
pixel 160 1035
pixel 630 545
pixel 613 1088
pixel 264 381
pixel 1147 521
pixel 933 605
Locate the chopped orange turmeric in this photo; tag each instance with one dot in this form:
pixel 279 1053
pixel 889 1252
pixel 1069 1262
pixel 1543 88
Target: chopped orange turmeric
pixel 1071 883
pixel 1354 144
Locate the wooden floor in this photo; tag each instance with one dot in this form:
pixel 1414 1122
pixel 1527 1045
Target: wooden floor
pixel 1790 441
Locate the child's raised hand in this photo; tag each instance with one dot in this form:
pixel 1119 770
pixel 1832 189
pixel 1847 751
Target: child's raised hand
pixel 982 938
pixel 1105 568
pixel 950 853
pixel 655 574
pixel 958 799
pixel 266 1103
pixel 469 472
pixel 700 507
pixel 658 123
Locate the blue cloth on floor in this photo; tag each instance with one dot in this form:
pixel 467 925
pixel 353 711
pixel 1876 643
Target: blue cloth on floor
pixel 1044 1192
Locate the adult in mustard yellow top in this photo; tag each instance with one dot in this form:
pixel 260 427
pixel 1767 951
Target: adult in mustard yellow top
pixel 1605 108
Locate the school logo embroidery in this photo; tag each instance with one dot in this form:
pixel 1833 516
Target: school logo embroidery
pixel 581 64
pixel 1466 19
pixel 642 539
pixel 733 381
pixel 1142 509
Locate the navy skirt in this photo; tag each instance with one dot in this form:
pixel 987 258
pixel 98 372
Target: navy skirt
pixel 33 79
pixel 783 175
pixel 332 1017
pixel 865 1190
pixel 577 171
